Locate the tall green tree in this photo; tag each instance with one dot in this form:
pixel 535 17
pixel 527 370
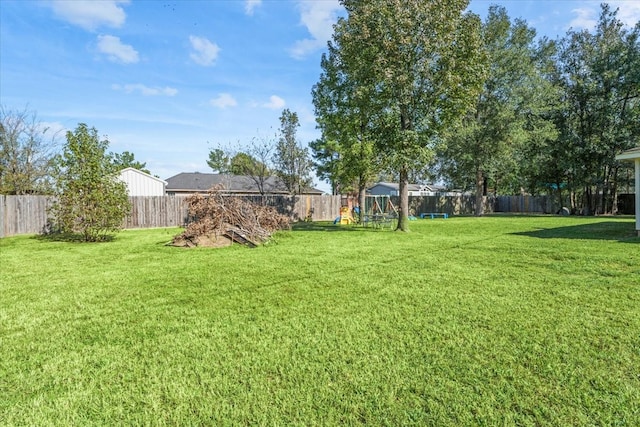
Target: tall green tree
pixel 508 113
pixel 419 63
pixel 601 80
pixel 327 162
pixel 291 160
pixel 27 150
pixel 90 199
pixel 346 152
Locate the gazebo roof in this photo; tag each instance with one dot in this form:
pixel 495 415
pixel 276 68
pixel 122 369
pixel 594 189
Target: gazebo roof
pixel 632 154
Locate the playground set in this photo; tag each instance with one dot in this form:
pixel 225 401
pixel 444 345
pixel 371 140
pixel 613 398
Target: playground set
pixel 379 212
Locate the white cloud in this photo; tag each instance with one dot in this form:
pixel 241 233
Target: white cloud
pixel 251 5
pixel 275 103
pixel 146 90
pixel 223 100
pixel 588 15
pixel 204 52
pixel 90 14
pixel 629 11
pixel 116 51
pixel 586 18
pixel 318 17
pixel 52 129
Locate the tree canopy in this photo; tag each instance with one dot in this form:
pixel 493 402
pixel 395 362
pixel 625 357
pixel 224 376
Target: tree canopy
pixel 506 111
pixel 410 68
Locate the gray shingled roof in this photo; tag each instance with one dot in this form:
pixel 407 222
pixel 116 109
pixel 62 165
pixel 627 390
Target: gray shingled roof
pixel 201 182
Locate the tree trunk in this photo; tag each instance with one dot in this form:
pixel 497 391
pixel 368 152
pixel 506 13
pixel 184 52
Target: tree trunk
pixel 560 201
pixel 479 211
pixel 403 213
pixel 362 200
pixel 614 192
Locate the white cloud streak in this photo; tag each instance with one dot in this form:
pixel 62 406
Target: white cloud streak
pixel 91 14
pixel 224 100
pixel 275 103
pixel 318 17
pixel 204 52
pixel 117 51
pixel 251 5
pixel 146 90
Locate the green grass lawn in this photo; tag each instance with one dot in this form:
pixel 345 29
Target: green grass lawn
pixel 464 321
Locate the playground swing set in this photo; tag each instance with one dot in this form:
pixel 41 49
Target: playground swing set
pixel 379 212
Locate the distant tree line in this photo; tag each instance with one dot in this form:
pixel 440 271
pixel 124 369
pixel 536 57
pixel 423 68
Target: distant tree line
pixel 419 91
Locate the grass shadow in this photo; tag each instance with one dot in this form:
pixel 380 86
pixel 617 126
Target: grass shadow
pixel 610 230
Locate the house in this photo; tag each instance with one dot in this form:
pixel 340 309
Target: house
pixel 142 184
pixel 393 189
pixel 187 183
pixel 633 155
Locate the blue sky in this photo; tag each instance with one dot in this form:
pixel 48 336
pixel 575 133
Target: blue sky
pixel 169 80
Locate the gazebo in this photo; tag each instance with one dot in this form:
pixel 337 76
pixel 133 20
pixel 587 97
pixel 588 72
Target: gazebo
pixel 633 155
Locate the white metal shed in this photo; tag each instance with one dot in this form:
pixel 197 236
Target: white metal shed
pixel 142 184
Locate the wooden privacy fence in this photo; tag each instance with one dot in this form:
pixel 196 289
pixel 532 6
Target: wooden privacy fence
pixel 28 214
pixel 452 205
pixel 23 214
pixel 527 204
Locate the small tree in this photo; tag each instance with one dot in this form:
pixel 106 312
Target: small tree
pixel 253 161
pixel 90 199
pixel 219 160
pixel 291 160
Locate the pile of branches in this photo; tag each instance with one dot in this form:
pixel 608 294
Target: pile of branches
pixel 215 217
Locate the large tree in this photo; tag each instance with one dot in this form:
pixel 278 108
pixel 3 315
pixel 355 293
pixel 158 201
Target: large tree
pixel 507 114
pixel 90 199
pixel 601 81
pixel 346 152
pixel 291 160
pixel 27 149
pixel 419 62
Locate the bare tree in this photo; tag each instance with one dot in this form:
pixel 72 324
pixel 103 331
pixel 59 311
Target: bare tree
pixel 27 150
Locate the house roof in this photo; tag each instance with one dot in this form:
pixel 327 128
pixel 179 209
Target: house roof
pixel 632 154
pixel 146 175
pixel 196 182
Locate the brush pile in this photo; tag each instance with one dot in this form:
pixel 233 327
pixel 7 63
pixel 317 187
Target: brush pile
pixel 219 220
